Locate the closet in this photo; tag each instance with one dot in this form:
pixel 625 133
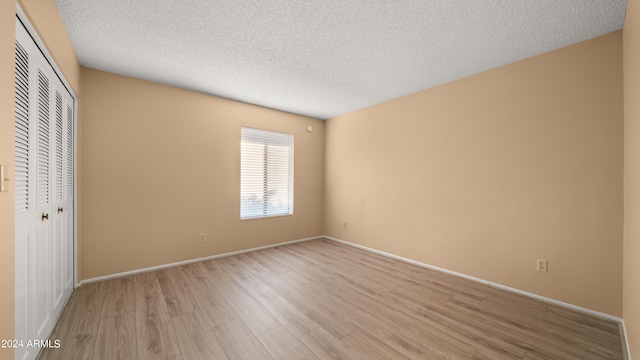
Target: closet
pixel 44 192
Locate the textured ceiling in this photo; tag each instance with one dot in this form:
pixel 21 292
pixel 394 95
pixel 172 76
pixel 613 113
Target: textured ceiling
pixel 323 58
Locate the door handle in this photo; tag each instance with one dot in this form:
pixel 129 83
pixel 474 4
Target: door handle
pixel 45 216
pixel 60 210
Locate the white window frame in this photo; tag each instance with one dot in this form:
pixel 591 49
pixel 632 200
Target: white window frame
pixel 266 173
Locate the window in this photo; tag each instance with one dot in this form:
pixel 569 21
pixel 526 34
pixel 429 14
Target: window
pixel 266 174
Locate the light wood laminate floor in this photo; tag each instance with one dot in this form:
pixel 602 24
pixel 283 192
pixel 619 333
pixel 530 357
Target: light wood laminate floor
pixel 318 300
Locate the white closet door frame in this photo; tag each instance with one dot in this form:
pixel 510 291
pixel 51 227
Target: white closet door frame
pixel 20 14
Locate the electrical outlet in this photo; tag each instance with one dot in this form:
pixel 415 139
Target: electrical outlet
pixel 541 265
pixel 342 225
pixel 345 225
pixel 203 237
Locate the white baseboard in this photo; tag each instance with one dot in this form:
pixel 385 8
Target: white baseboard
pixel 625 341
pixel 191 261
pixel 478 280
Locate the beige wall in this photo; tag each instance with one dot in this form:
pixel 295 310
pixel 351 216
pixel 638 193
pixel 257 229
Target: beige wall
pixel 161 165
pixel 489 173
pixel 44 16
pixel 631 34
pixel 7 38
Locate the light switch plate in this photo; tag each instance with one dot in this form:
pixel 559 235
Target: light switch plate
pixel 3 180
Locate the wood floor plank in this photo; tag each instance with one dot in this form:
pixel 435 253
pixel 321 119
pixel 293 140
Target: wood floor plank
pixel 315 308
pixel 176 291
pixel 603 327
pixel 78 335
pixel 419 328
pixel 404 273
pixel 258 319
pixel 297 322
pixel 486 354
pixel 355 261
pixel 415 350
pixel 155 336
pixel 119 297
pixel 319 300
pixel 557 325
pixel 485 337
pixel 267 262
pixel 239 343
pixel 417 274
pixel 239 264
pixel 345 268
pixel 70 307
pixel 536 327
pixel 441 337
pixel 381 309
pixel 63 327
pixel 528 356
pixel 283 345
pixel 380 327
pixel 214 306
pixel 371 347
pixel 521 302
pixel 87 327
pixel 326 347
pixel 434 317
pixel 515 332
pixel 116 338
pixel 420 296
pixel 288 264
pixel 195 338
pixel 297 264
pixel 443 344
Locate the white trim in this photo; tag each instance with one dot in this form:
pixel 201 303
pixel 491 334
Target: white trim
pixel 478 280
pixel 186 262
pixel 44 49
pixel 75 193
pixel 625 340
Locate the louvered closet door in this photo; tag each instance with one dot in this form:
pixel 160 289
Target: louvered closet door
pixel 62 210
pixel 33 200
pixel 24 201
pixel 43 194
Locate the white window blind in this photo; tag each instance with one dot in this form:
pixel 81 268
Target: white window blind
pixel 266 173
